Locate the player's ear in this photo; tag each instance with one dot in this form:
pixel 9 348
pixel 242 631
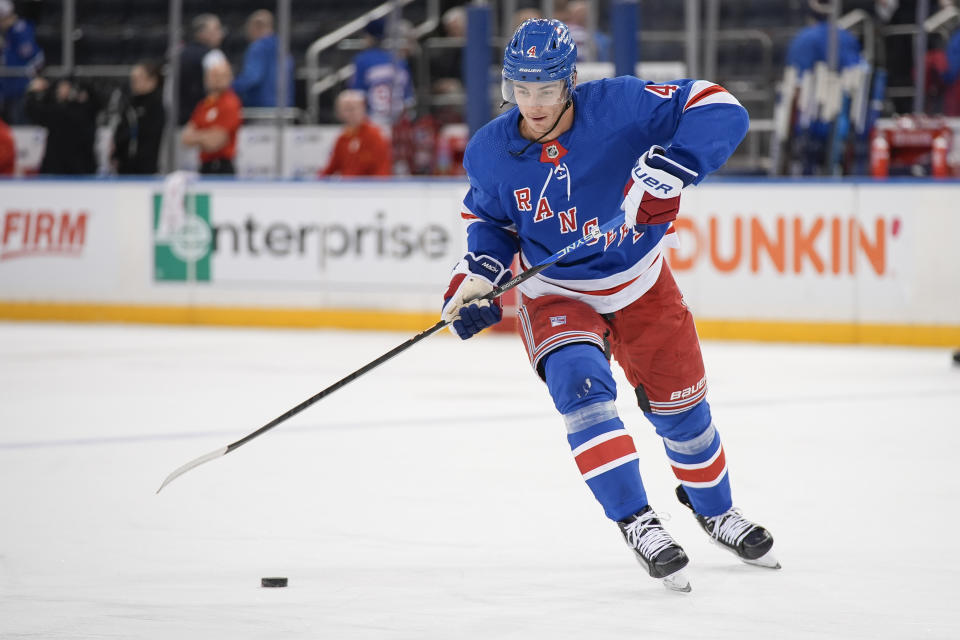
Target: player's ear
pixel 573 80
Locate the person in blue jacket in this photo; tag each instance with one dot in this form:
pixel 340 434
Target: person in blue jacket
pixel 256 84
pixel 19 51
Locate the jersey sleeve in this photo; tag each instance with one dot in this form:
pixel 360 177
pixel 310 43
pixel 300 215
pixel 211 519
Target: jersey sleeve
pixel 490 231
pixel 699 123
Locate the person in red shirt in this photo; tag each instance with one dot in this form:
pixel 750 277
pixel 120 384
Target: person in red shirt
pixel 361 150
pixel 8 151
pixel 214 123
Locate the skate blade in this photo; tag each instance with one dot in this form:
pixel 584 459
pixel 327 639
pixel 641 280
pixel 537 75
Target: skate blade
pixel 767 560
pixel 678 582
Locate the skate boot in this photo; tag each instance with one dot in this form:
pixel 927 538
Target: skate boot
pixel 655 549
pixel 749 541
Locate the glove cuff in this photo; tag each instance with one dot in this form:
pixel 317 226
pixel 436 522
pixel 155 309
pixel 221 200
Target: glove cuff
pixel 483 266
pixel 660 176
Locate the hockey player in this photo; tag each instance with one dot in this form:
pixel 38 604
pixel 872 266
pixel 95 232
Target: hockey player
pixel 549 171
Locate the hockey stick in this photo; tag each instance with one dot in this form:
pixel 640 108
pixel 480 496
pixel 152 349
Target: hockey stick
pixel 595 234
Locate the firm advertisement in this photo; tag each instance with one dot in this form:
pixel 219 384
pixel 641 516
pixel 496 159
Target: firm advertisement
pixel 58 243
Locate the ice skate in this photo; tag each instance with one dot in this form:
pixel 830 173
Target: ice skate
pixel 730 530
pixel 655 549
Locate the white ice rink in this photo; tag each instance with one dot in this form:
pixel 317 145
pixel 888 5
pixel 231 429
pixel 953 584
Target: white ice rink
pixel 436 497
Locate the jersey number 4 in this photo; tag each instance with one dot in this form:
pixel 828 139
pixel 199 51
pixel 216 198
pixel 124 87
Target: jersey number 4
pixel 662 90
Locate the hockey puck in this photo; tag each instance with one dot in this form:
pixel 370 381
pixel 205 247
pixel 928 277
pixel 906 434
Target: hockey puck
pixel 273 582
pixel 956 357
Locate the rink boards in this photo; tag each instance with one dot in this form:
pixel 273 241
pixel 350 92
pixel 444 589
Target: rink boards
pixel 781 260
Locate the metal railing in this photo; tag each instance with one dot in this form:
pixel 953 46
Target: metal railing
pixel 317 84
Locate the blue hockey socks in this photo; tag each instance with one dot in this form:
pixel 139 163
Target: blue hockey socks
pixel 583 390
pixel 696 455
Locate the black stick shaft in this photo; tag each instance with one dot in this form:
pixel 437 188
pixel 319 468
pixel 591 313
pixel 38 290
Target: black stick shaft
pixel 506 286
pixel 595 236
pixel 336 385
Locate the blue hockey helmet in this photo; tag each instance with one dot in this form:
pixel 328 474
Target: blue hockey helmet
pixel 539 51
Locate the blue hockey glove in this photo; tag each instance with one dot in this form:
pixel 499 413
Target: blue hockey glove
pixel 652 196
pixel 473 277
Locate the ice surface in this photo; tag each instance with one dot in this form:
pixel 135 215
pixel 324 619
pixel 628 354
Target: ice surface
pixel 435 497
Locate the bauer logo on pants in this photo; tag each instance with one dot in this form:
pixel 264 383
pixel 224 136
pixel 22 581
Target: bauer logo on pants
pixel 556 321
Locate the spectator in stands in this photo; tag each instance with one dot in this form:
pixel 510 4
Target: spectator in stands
pixel 68 110
pixel 951 98
pixel 591 46
pixel 447 62
pixel 808 49
pixel 257 83
pixel 384 77
pixel 935 72
pixel 8 150
pixel 202 50
pixel 809 46
pixel 136 140
pixel 361 149
pixel 214 123
pixel 20 51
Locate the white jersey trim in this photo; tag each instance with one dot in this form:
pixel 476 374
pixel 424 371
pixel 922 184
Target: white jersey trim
pixel 643 274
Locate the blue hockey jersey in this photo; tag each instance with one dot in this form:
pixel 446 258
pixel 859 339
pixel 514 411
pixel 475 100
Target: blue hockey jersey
pixel 541 200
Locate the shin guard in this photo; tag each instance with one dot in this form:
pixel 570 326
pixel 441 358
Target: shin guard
pixel 583 390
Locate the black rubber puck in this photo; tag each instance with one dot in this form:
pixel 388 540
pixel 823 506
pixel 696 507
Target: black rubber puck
pixel 956 357
pixel 273 582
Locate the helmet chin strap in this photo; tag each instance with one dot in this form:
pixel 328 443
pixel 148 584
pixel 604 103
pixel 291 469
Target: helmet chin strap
pixel 566 106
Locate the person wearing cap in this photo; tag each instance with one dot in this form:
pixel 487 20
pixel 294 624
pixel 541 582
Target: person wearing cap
pixel 20 51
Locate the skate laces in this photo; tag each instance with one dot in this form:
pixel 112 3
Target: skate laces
pixel 730 527
pixel 647 536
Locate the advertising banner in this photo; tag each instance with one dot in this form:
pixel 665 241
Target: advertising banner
pixel 59 242
pixel 376 237
pixel 853 257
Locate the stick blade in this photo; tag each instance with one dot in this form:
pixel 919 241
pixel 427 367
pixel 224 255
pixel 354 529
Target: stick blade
pixel 179 471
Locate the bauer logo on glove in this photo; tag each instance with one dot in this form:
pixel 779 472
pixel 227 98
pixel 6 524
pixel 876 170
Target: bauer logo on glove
pixel 652 196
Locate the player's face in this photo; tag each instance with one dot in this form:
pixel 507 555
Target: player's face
pixel 540 103
pixel 539 94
